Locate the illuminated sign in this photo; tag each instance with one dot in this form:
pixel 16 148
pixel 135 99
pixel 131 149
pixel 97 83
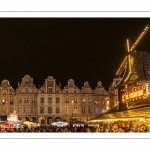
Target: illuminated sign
pixel 136 93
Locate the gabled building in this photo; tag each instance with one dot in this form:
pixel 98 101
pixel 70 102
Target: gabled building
pixel 100 95
pixel 26 99
pixel 49 102
pixel 7 99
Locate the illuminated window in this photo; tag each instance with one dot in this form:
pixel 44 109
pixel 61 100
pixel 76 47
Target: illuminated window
pixel 83 100
pixel 58 119
pixel 75 110
pixel 50 120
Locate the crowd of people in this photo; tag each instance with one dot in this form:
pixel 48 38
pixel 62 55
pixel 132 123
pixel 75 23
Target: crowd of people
pixel 81 129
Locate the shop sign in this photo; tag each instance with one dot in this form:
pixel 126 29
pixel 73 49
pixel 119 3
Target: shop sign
pixel 136 93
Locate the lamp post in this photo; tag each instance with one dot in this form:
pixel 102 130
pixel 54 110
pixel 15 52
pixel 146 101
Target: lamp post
pixel 72 113
pixel 4 101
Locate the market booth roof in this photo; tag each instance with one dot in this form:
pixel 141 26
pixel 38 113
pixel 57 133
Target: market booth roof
pixel 138 113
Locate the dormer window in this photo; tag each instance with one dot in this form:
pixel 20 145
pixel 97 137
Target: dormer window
pixel 42 91
pixel 50 91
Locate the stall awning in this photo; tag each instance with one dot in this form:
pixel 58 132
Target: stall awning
pixel 137 113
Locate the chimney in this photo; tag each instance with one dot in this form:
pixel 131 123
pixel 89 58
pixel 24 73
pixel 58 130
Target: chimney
pixel 59 84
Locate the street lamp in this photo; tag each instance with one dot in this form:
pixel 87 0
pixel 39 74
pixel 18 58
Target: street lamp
pixel 4 101
pixel 72 113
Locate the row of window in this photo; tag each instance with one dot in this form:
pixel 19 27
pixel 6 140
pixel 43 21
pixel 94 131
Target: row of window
pixel 49 109
pixel 26 109
pixel 33 100
pixel 57 91
pixel 75 109
pixel 33 109
pixel 49 91
pixel 82 92
pixel 49 100
pixel 26 91
pixel 26 100
pixel 67 100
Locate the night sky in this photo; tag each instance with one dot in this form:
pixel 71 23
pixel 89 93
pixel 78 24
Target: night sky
pixel 84 49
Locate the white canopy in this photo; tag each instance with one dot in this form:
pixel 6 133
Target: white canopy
pixel 59 124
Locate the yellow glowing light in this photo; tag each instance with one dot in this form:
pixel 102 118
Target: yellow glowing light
pixel 121 65
pixel 134 94
pixel 129 68
pixel 140 37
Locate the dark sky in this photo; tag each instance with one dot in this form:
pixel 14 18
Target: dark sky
pixel 84 49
